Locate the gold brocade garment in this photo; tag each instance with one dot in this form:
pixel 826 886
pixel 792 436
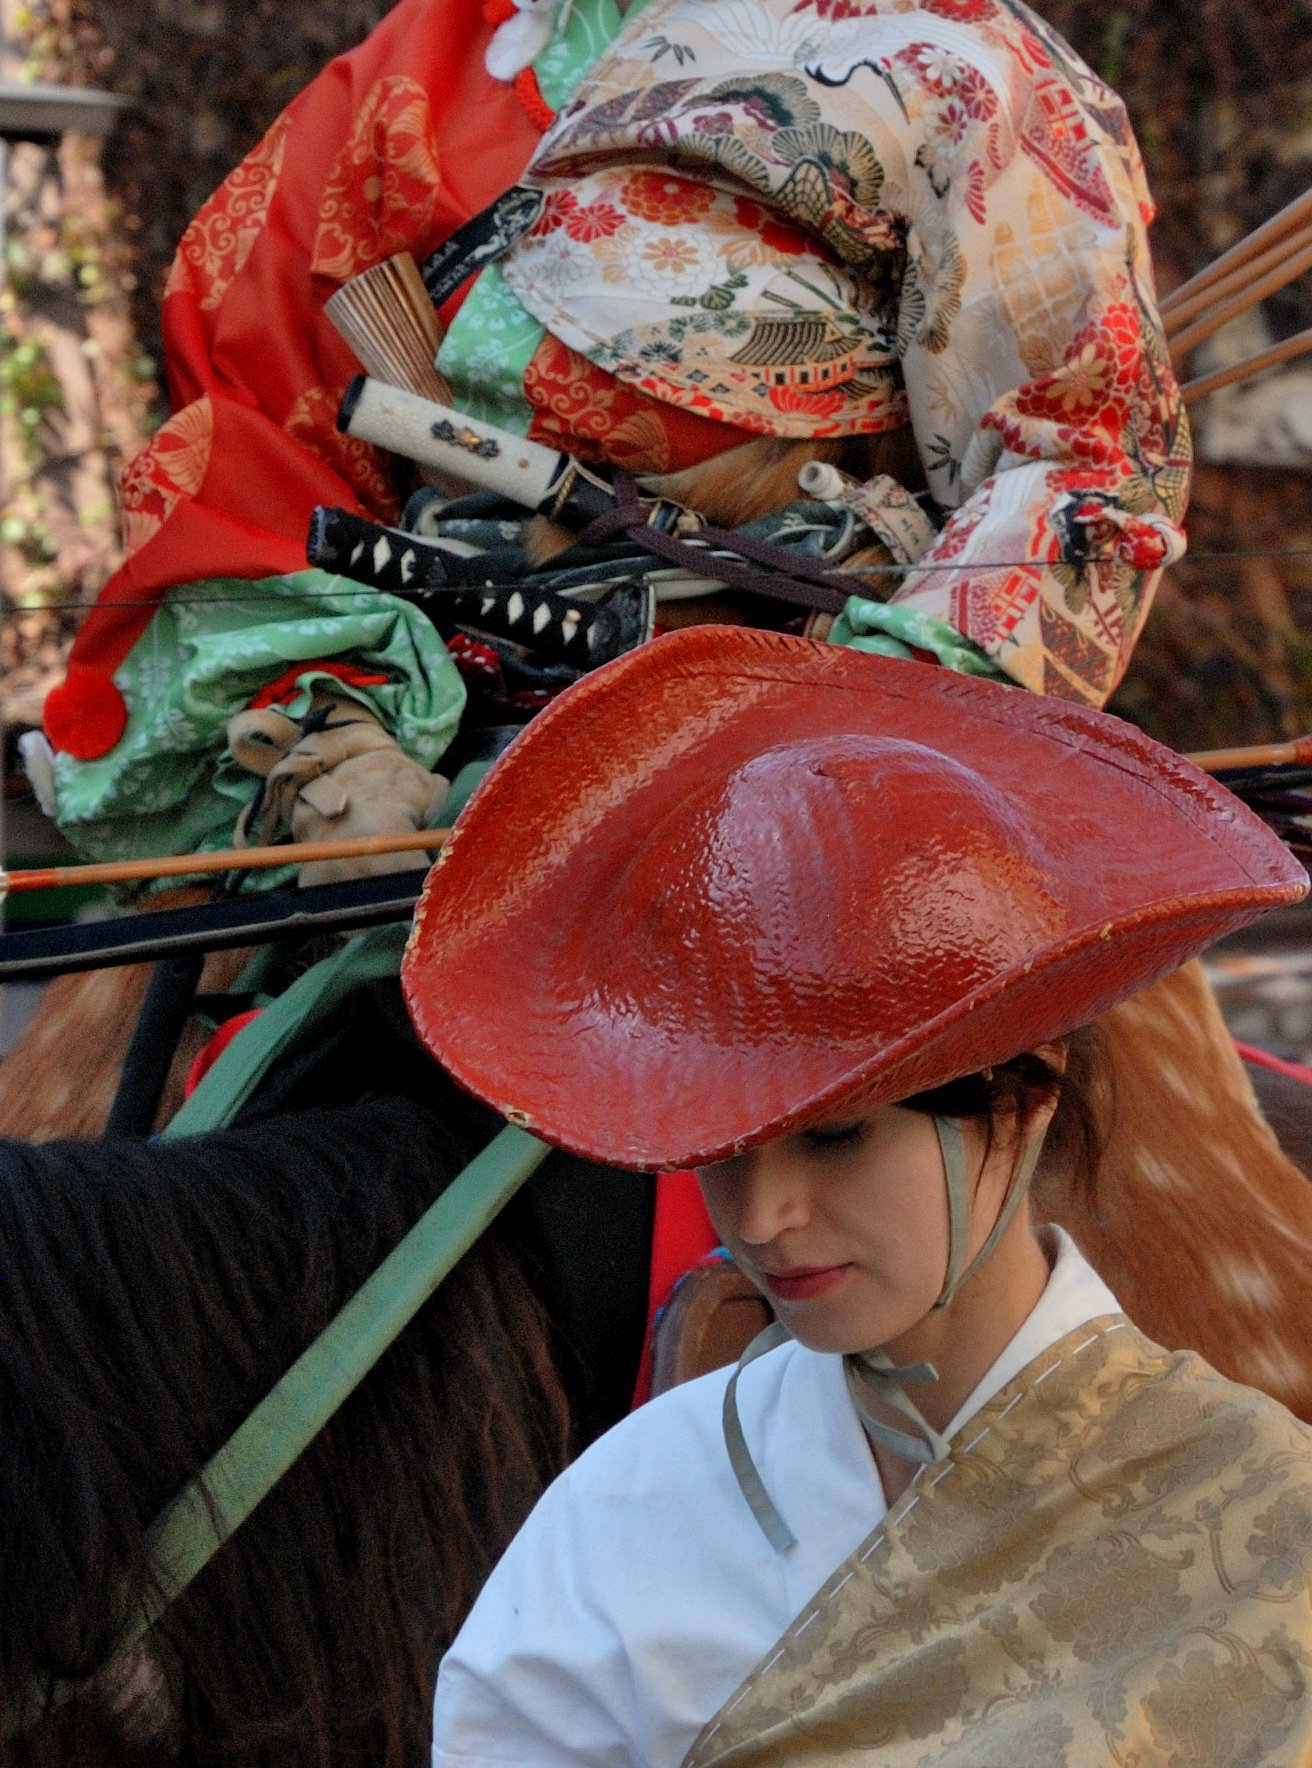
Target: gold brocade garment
pixel 1113 1567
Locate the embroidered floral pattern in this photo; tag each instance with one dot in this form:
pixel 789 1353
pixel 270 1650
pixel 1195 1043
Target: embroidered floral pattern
pixel 768 333
pixel 1043 1600
pixel 172 466
pixel 382 192
pixel 658 196
pixel 221 238
pixel 957 237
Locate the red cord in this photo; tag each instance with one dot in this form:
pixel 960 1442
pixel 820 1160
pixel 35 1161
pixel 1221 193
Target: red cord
pixel 526 90
pixel 1264 1059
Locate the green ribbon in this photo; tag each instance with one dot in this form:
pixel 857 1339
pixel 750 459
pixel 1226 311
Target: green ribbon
pixel 190 1531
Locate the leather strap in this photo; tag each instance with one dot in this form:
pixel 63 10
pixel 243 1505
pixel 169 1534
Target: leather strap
pixel 484 237
pixel 723 554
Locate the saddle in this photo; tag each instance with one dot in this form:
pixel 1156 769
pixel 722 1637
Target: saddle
pixel 712 1317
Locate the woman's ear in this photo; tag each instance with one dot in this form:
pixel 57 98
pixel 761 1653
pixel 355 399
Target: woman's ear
pixel 1056 1054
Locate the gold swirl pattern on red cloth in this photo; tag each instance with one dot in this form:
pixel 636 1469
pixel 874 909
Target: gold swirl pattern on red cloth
pixel 216 246
pixel 383 187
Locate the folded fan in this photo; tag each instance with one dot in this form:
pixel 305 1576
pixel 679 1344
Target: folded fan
pixel 386 317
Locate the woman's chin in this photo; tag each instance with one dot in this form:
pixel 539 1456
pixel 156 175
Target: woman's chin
pixel 846 1319
pixel 838 1326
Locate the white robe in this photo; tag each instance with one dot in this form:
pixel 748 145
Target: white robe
pixel 641 1592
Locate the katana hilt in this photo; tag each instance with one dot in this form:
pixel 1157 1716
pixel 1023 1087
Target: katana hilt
pixel 389 558
pixel 454 591
pixel 557 629
pixel 542 479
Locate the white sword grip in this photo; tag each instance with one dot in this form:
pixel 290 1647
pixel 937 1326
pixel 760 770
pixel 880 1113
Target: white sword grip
pixel 438 436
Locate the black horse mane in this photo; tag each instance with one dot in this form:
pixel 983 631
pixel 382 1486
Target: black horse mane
pixel 150 1295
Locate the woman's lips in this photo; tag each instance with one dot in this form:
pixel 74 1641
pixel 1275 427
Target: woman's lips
pixel 803 1282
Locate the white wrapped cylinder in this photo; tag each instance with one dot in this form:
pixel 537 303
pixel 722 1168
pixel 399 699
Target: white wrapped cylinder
pixel 820 479
pixel 438 436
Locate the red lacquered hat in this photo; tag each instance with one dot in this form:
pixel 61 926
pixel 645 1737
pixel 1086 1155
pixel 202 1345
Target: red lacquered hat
pixel 734 878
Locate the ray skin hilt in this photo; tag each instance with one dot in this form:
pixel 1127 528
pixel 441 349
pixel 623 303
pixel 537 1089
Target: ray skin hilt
pixel 558 486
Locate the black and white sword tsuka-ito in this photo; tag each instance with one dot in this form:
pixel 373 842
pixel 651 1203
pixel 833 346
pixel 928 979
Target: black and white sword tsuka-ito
pixel 389 558
pixel 558 629
pixel 454 591
pixel 542 479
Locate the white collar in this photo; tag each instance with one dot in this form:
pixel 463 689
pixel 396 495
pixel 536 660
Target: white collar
pixel 1075 1294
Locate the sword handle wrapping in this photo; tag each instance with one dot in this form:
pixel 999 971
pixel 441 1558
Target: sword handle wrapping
pixel 386 558
pixel 453 591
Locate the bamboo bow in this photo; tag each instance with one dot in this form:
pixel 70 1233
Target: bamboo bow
pixel 240 859
pixel 230 859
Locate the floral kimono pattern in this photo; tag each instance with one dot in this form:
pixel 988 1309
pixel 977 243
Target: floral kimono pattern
pixel 827 217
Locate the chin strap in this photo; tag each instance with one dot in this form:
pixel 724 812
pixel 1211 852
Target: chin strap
pixel 953 1146
pixel 874 1373
pixel 750 1483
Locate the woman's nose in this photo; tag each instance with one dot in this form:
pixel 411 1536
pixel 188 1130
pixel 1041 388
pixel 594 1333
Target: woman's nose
pixel 771 1198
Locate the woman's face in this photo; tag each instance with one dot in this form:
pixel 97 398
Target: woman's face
pixel 845 1224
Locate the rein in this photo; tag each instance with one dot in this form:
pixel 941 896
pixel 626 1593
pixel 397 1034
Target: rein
pixel 208 1510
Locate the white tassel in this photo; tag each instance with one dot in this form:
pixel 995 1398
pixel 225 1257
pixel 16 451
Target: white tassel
pixel 38 760
pixel 518 42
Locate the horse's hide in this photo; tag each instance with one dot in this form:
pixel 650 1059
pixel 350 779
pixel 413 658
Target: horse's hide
pixel 1200 1223
pixel 62 1073
pixel 61 1076
pixel 155 1294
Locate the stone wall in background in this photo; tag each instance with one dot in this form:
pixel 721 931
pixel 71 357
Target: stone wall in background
pixel 1220 92
pixel 76 403
pixel 91 230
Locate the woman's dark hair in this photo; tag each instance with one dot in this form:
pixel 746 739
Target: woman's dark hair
pixel 150 1296
pixel 1011 1091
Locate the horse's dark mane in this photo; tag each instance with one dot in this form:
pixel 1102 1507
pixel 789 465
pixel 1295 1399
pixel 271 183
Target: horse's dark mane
pixel 150 1295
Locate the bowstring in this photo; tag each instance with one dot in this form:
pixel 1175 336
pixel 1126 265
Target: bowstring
pixel 17 609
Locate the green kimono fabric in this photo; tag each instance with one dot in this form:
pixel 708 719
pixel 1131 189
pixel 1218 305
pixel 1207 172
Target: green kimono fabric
pixel 1112 1570
pixel 170 784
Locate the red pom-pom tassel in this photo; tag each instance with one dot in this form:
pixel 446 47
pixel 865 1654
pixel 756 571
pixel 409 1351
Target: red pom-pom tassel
pixel 85 715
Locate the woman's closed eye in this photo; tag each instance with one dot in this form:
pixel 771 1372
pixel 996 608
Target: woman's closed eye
pixel 834 1135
